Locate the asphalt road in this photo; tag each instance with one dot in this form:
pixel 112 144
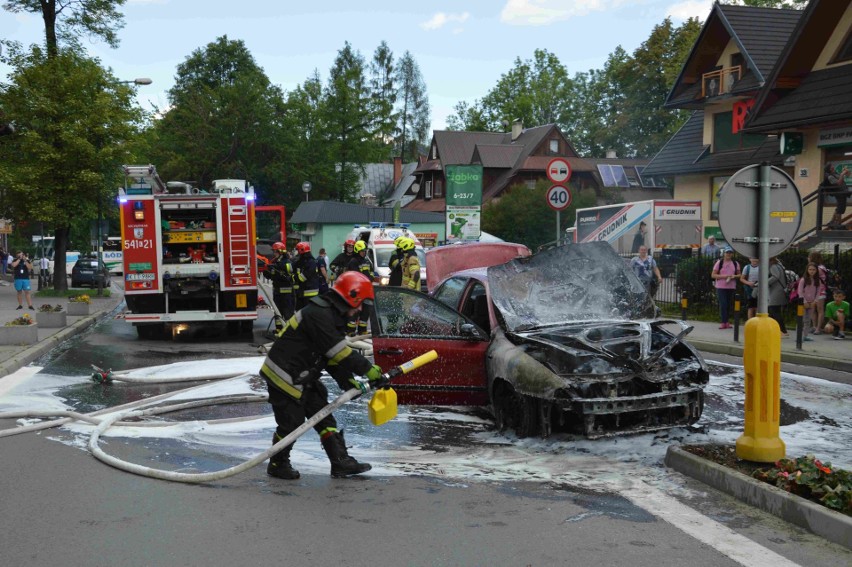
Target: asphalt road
pixel 61 506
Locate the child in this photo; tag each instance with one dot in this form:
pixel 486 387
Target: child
pixel 819 313
pixel 810 289
pixel 835 315
pixel 749 279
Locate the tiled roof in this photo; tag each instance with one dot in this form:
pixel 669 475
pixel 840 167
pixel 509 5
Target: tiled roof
pixel 407 179
pixel 376 180
pixel 496 156
pixel 431 206
pixel 335 212
pixel 686 153
pixel 456 148
pixel 760 33
pixel 823 96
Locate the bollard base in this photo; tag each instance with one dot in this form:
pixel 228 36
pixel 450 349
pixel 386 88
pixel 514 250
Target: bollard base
pixel 761 450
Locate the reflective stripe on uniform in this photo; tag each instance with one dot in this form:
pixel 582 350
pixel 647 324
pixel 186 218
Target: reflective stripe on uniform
pixel 280 378
pixel 285 290
pixel 338 352
pixel 310 292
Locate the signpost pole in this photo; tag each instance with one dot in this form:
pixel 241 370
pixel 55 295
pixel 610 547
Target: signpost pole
pixel 558 224
pixel 763 238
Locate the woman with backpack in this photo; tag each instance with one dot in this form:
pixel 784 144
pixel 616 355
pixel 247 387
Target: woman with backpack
pixel 778 296
pixel 725 274
pixel 822 272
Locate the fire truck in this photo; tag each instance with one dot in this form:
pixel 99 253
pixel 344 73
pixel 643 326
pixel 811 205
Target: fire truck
pixel 189 253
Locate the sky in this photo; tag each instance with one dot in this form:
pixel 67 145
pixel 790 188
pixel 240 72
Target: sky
pixel 462 47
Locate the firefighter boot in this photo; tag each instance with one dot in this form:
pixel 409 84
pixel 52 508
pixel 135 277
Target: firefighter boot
pixel 341 463
pixel 279 465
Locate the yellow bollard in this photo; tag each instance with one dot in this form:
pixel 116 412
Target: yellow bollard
pixel 762 361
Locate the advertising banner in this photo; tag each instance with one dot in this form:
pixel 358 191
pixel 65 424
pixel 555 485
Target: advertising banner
pixel 464 202
pixel 624 226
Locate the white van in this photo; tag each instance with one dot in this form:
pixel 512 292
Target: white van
pixel 380 247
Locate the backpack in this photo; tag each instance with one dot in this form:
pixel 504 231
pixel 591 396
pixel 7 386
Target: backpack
pixel 791 283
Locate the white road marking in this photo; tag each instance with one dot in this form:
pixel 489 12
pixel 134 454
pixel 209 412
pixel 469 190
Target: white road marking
pixel 20 375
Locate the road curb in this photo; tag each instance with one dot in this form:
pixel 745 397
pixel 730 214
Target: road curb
pixel 824 522
pixel 25 357
pixel 736 349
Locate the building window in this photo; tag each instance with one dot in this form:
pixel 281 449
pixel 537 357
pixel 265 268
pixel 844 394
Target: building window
pixel 723 138
pixel 845 51
pixel 716 184
pixel 613 175
pixel 439 188
pixel 427 193
pixel 554 146
pixel 435 151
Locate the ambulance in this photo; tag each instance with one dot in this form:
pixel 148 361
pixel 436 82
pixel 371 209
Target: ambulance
pixel 379 238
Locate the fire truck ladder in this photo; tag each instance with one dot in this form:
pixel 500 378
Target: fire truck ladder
pixel 238 239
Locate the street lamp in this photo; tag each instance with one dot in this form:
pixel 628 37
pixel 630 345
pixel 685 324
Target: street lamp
pixel 306 187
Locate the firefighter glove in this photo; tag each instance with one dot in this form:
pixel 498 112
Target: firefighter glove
pixel 358 384
pixel 374 373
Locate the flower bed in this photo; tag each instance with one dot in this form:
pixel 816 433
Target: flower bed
pixel 20 331
pixel 51 316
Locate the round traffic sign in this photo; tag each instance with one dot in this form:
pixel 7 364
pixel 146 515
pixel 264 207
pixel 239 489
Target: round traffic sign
pixel 739 211
pixel 559 170
pixel 558 197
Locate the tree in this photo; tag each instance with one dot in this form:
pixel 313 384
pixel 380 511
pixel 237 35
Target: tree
pixel 73 120
pixel 414 112
pixel 789 4
pixel 522 215
pixel 225 119
pixel 348 118
pixel 383 94
pixel 66 20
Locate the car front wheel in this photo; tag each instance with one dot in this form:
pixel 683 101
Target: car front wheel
pixel 515 411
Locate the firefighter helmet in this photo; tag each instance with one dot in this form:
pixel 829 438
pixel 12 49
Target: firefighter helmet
pixel 349 242
pixel 279 247
pixel 354 288
pixel 399 240
pixel 303 247
pixel 360 245
pixel 407 245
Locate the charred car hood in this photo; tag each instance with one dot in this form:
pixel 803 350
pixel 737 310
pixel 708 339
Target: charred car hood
pixel 573 283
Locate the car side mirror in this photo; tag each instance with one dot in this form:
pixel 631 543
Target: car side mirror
pixel 469 330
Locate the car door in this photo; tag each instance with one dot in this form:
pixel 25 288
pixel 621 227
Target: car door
pixel 407 324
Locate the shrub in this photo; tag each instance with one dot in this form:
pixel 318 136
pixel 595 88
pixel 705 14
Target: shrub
pixel 809 478
pixel 83 298
pixel 48 308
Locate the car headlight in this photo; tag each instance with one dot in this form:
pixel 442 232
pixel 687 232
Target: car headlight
pixel 384 280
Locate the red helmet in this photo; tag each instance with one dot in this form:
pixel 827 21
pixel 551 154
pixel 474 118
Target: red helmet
pixel 354 288
pixel 279 247
pixel 349 242
pixel 303 247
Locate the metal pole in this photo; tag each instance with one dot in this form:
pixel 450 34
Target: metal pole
pixel 558 224
pixel 99 276
pixel 763 235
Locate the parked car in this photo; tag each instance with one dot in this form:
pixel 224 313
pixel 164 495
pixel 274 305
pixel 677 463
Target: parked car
pixel 85 270
pixel 564 340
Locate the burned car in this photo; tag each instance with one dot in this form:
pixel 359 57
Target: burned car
pixel 565 340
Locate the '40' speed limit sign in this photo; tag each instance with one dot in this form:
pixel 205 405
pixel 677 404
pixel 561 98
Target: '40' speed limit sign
pixel 558 197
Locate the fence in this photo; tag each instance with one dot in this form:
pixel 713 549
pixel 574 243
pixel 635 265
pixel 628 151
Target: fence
pixel 690 275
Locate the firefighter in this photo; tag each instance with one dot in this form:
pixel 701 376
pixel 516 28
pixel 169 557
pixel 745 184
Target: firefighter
pixel 360 263
pixel 314 339
pixel 280 271
pixel 395 262
pixel 338 265
pixel 410 266
pixel 307 275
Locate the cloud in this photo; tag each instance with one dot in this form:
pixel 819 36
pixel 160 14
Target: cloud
pixel 546 12
pixel 440 19
pixel 682 11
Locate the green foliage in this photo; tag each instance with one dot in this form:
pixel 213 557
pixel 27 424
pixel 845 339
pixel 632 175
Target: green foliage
pixel 789 4
pixel 693 279
pixel 413 117
pixel 809 478
pixel 21 321
pixel 521 215
pixel 47 308
pixel 383 94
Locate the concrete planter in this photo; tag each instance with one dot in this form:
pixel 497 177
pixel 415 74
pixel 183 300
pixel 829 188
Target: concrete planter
pixel 78 308
pixel 19 334
pixel 52 319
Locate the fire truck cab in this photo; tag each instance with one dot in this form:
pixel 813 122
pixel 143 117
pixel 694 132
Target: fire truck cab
pixel 189 254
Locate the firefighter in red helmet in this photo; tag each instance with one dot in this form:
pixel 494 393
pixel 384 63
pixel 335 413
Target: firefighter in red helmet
pixel 307 275
pixel 341 261
pixel 280 271
pixel 315 338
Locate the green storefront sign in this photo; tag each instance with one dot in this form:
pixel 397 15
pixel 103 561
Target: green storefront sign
pixel 464 202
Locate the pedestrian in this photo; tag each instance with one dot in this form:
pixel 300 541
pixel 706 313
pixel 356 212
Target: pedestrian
pixel 809 289
pixel 749 279
pixel 639 237
pixel 819 312
pixel 338 265
pixel 726 272
pixel 836 313
pixel 645 268
pixel 313 340
pixel 307 275
pixel 4 262
pixel 410 265
pixel 834 183
pixel 710 249
pixel 360 263
pixel 280 271
pixel 322 266
pixel 23 269
pixel 777 293
pixel 395 262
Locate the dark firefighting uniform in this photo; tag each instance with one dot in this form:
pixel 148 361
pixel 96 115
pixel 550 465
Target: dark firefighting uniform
pixel 338 265
pixel 395 265
pixel 307 279
pixel 359 263
pixel 316 332
pixel 280 271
